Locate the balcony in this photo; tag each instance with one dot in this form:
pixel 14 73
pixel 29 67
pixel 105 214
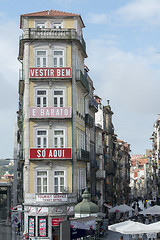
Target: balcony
pixel 99 150
pixel 109 130
pixel 110 170
pixel 82 79
pixel 50 34
pixel 100 174
pixel 82 155
pixel 93 104
pixel 89 120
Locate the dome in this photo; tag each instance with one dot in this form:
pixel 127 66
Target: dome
pixel 86 206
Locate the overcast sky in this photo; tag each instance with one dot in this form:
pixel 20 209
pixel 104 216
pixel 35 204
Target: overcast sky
pixel 123 47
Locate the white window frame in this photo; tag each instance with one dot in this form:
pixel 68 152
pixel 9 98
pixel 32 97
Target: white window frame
pixel 43 60
pixel 42 185
pixel 40 24
pixel 58 97
pixel 58 177
pixel 58 57
pixel 57 24
pixel 41 137
pixel 41 96
pixel 58 145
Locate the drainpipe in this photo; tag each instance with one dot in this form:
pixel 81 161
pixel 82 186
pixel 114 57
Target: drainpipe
pixel 72 114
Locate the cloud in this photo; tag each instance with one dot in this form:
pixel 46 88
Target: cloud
pixel 129 78
pixel 97 18
pixel 9 83
pixel 140 11
pixel 137 13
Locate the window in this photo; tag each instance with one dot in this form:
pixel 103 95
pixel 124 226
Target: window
pixel 41 98
pixel 58 58
pixel 57 24
pixel 59 139
pixel 58 98
pixel 41 138
pixel 40 25
pixel 42 182
pixel 41 59
pixel 59 178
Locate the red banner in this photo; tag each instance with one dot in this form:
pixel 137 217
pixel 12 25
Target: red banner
pixel 51 153
pixel 50 72
pixel 56 221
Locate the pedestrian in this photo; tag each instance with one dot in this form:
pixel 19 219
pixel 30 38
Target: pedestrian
pixel 19 227
pixel 121 238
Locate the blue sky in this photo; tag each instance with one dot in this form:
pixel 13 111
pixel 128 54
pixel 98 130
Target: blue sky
pixel 123 47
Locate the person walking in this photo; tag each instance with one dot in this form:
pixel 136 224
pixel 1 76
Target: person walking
pixel 121 238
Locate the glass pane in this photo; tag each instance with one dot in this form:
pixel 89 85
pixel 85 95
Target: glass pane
pixel 58 132
pixel 45 181
pixel 56 181
pixel 61 62
pixel 38 142
pixel 58 53
pixel 39 132
pixel 41 53
pixel 42 173
pixel 44 142
pixel 62 142
pixel 61 102
pixel 55 102
pixel 38 102
pixel 39 189
pixel 38 181
pixel 38 62
pixel 44 102
pixel 55 62
pixel 56 189
pixel 61 188
pixel 45 189
pixel 41 92
pixel 57 92
pixel 55 143
pixel 62 181
pixel 44 62
pixel 59 173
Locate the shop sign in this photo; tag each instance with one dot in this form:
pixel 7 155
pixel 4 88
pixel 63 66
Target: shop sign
pixel 70 210
pixel 64 72
pixel 51 198
pixel 57 210
pixel 50 153
pixel 32 210
pixel 50 112
pixel 42 210
pixel 56 221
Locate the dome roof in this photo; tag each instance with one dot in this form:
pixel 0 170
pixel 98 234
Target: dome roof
pixel 86 206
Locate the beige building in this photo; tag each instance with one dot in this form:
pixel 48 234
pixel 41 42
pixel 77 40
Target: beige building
pixel 56 113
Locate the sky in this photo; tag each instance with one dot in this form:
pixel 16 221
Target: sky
pixel 123 48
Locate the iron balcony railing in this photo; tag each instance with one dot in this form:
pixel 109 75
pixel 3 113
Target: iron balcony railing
pixel 82 155
pixel 89 120
pixel 93 104
pixel 82 79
